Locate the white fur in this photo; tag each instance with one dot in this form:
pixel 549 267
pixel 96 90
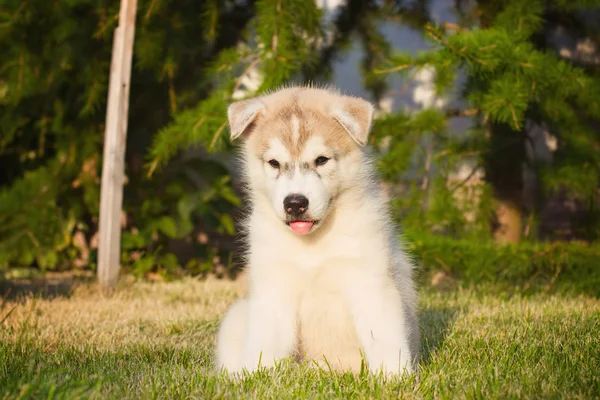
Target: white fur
pixel 352 125
pixel 346 120
pixel 336 294
pixel 307 182
pixel 295 129
pixel 245 116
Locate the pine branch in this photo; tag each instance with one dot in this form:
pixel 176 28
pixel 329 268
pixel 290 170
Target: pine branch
pixel 281 50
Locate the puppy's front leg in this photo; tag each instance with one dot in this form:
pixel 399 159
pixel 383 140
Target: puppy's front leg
pixel 380 324
pixel 271 331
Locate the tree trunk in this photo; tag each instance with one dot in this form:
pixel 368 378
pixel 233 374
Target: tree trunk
pixel 504 171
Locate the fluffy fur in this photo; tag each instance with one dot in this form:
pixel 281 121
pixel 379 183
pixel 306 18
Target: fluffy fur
pixel 341 291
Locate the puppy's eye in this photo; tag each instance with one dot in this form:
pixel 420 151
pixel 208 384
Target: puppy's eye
pixel 274 164
pixel 321 160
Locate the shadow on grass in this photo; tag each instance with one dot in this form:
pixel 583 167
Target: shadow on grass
pixel 46 287
pixel 436 324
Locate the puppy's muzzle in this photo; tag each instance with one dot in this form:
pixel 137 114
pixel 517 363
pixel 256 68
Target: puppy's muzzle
pixel 295 205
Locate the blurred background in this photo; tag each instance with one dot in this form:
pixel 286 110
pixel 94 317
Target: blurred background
pixel 487 131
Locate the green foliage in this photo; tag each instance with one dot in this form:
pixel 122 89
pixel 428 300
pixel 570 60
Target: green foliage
pixel 525 264
pixel 193 58
pixel 513 78
pixel 203 124
pixel 40 237
pixel 278 50
pixel 53 86
pixel 288 32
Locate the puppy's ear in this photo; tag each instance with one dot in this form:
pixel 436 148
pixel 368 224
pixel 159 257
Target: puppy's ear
pixel 242 114
pixel 355 115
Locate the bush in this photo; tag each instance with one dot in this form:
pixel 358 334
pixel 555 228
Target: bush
pixel 574 265
pixel 192 58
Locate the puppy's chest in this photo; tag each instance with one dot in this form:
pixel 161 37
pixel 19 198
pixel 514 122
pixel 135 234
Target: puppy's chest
pixel 325 319
pixel 323 292
pixel 323 255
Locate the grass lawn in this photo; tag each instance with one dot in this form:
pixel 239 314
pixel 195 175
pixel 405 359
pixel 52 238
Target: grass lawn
pixel 155 340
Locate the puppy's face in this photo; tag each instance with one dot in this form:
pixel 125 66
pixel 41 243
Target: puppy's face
pixel 300 153
pixel 299 169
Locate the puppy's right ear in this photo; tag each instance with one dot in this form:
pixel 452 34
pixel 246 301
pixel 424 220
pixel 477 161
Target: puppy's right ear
pixel 242 114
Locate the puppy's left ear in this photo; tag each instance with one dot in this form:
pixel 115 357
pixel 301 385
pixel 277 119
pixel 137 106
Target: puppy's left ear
pixel 355 115
pixel 242 115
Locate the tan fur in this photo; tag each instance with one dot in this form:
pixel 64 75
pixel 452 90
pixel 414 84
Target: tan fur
pixel 313 109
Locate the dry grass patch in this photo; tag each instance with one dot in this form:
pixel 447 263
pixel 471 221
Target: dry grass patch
pixel 137 313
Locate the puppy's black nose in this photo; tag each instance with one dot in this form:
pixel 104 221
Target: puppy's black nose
pixel 295 204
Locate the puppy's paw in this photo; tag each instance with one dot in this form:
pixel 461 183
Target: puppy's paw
pixel 252 361
pixel 231 371
pixel 391 368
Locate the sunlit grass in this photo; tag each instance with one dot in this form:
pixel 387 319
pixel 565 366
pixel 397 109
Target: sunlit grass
pixel 156 340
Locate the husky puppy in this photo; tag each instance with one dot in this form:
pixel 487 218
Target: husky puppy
pixel 327 278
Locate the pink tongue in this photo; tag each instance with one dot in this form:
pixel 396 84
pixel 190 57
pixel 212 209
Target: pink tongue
pixel 301 227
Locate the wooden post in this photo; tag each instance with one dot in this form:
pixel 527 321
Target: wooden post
pixel 113 168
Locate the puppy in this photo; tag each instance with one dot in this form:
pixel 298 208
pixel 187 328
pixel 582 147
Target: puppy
pixel 328 280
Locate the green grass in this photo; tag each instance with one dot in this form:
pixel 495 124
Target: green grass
pixel 155 341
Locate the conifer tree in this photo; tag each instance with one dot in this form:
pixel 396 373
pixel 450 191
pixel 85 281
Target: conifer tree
pixel 192 58
pixel 515 80
pixel 54 71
